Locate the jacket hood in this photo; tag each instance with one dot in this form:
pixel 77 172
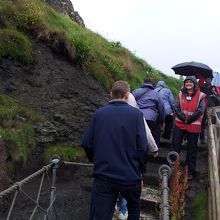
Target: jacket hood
pixel 194 80
pixel 161 84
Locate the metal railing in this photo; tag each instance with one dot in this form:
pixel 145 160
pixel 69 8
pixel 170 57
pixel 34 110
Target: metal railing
pixel 17 188
pixel 165 172
pixel 213 161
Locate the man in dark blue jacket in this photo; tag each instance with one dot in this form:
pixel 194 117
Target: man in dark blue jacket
pixel 116 142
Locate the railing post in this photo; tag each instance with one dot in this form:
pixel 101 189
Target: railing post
pixel 164 173
pixel 56 162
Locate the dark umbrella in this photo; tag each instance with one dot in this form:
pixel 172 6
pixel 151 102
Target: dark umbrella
pixel 193 68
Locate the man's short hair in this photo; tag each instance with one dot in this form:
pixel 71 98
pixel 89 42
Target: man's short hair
pixel 148 80
pixel 119 89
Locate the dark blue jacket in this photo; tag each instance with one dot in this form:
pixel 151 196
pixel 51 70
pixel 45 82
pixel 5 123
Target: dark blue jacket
pixel 117 138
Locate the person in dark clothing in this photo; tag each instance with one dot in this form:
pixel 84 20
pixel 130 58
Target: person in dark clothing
pixel 115 140
pixel 211 93
pixel 189 112
pixel 212 100
pixel 151 105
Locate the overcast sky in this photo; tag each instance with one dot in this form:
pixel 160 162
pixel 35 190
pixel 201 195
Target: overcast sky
pixel 162 32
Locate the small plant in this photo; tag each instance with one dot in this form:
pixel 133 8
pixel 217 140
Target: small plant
pixel 28 14
pixel 66 153
pixel 179 185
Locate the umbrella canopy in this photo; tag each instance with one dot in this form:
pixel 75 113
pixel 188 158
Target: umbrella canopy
pixel 193 69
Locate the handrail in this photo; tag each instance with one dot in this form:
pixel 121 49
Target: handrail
pixel 17 187
pixel 164 173
pixel 213 159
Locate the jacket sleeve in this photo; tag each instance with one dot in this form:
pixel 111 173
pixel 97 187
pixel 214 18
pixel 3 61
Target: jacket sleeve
pixel 88 139
pixel 200 110
pixel 141 142
pixel 178 112
pixel 150 139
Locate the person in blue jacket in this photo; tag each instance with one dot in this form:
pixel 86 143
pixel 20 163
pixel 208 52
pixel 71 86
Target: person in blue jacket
pixel 166 96
pixel 115 140
pixel 151 106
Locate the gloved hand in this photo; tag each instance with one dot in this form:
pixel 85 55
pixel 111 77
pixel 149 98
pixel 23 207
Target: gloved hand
pixel 193 117
pixel 181 116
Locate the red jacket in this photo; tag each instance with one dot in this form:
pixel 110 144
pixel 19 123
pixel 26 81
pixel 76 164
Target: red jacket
pixel 188 108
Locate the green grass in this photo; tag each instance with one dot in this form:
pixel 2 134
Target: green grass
pixel 16 45
pixel 16 129
pixel 66 153
pixel 106 61
pixel 200 206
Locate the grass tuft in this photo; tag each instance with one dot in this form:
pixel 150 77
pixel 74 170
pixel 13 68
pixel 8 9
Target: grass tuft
pixel 66 153
pixel 16 45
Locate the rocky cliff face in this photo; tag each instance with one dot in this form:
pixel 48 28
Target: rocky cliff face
pixel 65 7
pixel 61 91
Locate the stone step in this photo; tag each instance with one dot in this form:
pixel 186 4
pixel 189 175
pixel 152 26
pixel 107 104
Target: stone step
pixel 150 198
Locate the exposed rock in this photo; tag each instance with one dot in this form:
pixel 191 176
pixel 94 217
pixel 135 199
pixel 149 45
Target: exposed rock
pixel 65 7
pixel 61 91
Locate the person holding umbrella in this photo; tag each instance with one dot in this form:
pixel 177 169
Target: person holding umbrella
pixel 189 111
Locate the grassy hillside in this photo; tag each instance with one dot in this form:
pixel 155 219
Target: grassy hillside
pixel 22 21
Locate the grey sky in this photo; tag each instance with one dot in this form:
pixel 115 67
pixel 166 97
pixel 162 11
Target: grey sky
pixel 162 32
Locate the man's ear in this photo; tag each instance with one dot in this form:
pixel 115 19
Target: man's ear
pixel 126 96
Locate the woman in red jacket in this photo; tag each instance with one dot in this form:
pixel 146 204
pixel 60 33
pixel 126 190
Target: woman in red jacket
pixel 189 112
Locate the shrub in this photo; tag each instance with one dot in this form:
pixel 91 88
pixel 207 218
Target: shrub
pixel 28 14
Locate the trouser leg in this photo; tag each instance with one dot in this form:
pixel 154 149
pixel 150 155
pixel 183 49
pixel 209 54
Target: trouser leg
pixel 178 135
pixel 132 195
pixel 192 145
pixel 92 203
pixel 155 130
pixel 168 126
pixel 105 199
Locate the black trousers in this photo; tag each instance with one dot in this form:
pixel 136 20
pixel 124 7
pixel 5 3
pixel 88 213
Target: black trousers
pixel 168 126
pixel 106 194
pixel 192 147
pixel 155 130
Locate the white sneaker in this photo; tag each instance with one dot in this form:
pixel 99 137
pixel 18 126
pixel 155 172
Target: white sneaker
pixel 122 216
